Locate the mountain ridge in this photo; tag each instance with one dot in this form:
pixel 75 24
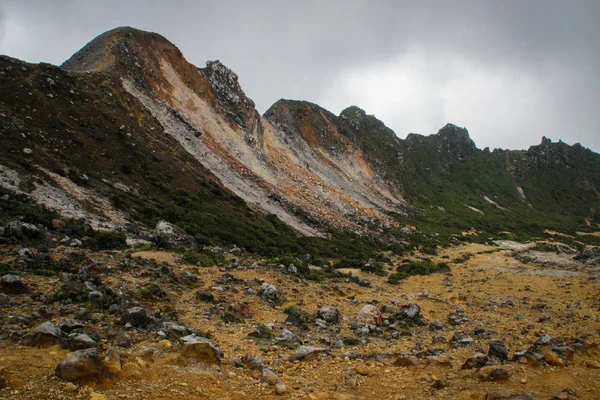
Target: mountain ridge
pixel 315 170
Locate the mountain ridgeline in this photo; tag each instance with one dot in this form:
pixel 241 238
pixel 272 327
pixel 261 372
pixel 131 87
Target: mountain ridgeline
pixel 127 130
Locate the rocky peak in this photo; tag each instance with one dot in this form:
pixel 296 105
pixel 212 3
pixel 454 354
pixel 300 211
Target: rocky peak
pixel 288 114
pixel 455 140
pixel 231 98
pixel 353 116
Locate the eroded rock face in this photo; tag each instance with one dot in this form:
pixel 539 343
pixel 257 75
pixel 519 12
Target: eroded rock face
pixel 232 99
pixel 81 364
pixel 170 236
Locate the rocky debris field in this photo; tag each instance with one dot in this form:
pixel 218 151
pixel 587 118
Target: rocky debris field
pixel 83 324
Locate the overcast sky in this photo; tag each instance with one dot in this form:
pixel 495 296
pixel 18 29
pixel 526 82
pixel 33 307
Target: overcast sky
pixel 509 71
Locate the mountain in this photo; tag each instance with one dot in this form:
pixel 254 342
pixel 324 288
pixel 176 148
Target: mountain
pixel 127 130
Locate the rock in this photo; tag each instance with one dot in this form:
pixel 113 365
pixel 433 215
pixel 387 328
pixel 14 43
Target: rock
pixel 175 330
pixel 499 374
pixel 528 357
pixel 96 297
pixel 407 361
pixel 592 364
pixel 329 314
pixel 124 340
pixel 80 341
pixel 565 351
pixel 411 311
pixel 306 353
pixel 269 292
pixel 436 326
pixel 498 350
pixel 370 314
pixel 280 389
pixel 546 340
pixel 361 370
pixel 477 360
pixel 169 236
pixel 6 300
pixel 25 253
pixel 112 360
pixel 201 349
pixel 58 225
pixel 45 335
pixel 253 362
pixel 205 296
pixel 555 359
pixel 269 377
pixel 68 325
pixel 287 337
pixel 136 316
pixel 11 281
pixel 81 364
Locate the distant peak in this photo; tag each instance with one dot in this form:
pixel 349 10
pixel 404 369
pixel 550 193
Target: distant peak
pixel 120 44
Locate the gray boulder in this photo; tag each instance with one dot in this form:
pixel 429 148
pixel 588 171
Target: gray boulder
pixel 136 316
pixel 307 353
pixel 81 364
pixel 80 341
pixel 170 236
pixel 45 335
pixel 269 292
pixel 201 349
pixel 329 314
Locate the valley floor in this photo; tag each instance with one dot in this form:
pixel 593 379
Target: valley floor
pixel 492 295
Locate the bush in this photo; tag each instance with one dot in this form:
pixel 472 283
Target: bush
pixel 416 268
pixel 107 240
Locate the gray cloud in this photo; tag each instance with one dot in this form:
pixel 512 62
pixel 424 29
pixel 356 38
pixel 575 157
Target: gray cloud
pixel 509 71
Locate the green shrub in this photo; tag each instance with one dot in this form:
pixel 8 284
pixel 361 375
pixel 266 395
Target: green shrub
pixel 416 268
pixel 107 240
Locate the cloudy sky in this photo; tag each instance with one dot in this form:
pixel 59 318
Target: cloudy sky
pixel 509 71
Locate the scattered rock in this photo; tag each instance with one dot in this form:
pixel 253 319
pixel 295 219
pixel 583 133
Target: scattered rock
pixel 307 353
pixel 592 364
pixel 169 236
pixel 407 361
pixel 329 314
pixel 45 335
pixel 81 364
pixel 411 311
pixel 269 292
pixel 280 389
pixel 136 316
pixel 201 349
pixel 499 374
pixel 498 350
pixel 80 341
pixel 477 360
pixel 370 314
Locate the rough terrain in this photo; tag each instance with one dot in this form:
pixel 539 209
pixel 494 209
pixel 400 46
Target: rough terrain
pixel 488 295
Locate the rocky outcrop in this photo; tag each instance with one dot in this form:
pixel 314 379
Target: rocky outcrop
pixel 231 99
pixel 169 236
